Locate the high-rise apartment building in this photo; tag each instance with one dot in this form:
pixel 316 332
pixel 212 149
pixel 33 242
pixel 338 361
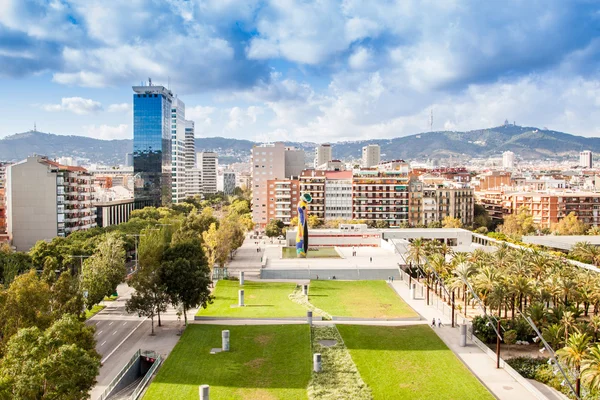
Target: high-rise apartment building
pixel 432 203
pixel 585 159
pixel 370 155
pixel 152 138
pixel 282 200
pixel 3 236
pixel 128 160
pixel 508 160
pixel 207 162
pixel 190 155
pixel 194 180
pixel 46 199
pixel 338 195
pixel 178 151
pixel 271 161
pixel 322 155
pixel 380 196
pixel 228 182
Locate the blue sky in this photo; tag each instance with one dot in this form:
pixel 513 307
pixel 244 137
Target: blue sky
pixel 302 70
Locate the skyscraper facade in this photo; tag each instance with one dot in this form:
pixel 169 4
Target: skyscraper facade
pixel 178 126
pixel 152 145
pixel 508 160
pixel 190 155
pixel 322 155
pixel 207 162
pixel 370 155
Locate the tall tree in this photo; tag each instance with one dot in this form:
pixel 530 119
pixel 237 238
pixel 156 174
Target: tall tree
pixel 274 228
pixel 573 354
pixel 570 225
pixel 451 222
pixel 186 276
pixel 519 224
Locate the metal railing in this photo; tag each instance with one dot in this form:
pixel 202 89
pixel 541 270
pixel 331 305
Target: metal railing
pixel 117 378
pixel 140 389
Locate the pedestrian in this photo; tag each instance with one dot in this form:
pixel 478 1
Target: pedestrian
pixel 370 259
pixel 317 277
pixel 392 278
pixel 439 323
pixel 433 323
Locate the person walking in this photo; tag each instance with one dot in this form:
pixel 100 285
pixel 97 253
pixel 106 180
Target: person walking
pixel 433 323
pixel 370 259
pixel 392 278
pixel 439 321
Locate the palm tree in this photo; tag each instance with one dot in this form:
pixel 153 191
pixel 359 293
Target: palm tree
pixel 522 287
pixel 463 272
pixel 567 321
pixel 573 354
pixel 590 368
pixel 485 281
pixel 553 334
pixel 595 326
pixel 594 230
pixel 416 251
pixel 586 252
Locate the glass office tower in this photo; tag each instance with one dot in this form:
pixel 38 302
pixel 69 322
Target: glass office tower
pixel 152 145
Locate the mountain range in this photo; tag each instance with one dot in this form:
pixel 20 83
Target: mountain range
pixel 525 142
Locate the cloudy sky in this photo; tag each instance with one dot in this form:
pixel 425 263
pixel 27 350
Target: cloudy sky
pixel 309 70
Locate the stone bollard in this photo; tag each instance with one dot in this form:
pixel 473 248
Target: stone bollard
pixel 317 362
pixel 309 317
pixel 241 298
pixel 241 278
pixel 204 392
pixel 225 340
pixel 463 335
pixel 413 291
pixel 305 290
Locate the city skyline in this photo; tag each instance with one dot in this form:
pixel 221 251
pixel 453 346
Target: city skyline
pixel 335 70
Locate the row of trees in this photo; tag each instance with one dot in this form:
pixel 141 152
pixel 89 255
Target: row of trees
pixel 562 300
pixel 522 223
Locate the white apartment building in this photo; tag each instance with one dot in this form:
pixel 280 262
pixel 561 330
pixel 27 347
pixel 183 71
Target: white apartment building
pixel 585 159
pixel 194 182
pixel 271 161
pixel 322 155
pixel 190 154
pixel 178 150
pixel 370 155
pixel 508 160
pixel 338 195
pixel 45 200
pixel 207 162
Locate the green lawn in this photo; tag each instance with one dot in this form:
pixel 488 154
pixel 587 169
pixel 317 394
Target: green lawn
pixel 95 310
pixel 265 362
pixel 261 299
pixel 364 299
pixel 409 362
pixel 318 252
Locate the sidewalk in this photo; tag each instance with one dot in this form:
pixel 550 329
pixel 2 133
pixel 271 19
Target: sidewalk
pixel 498 381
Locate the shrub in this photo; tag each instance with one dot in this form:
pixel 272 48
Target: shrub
pixel 527 366
pixel 484 331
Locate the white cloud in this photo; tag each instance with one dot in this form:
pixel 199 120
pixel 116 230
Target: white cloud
pixel 360 59
pixel 239 118
pixel 107 132
pixel 120 107
pixel 76 105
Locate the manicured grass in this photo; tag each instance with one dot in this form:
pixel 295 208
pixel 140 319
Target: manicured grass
pixel 261 299
pixel 362 299
pixel 95 310
pixel 409 362
pixel 318 252
pixel 265 362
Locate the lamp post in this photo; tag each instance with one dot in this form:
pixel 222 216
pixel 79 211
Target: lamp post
pixel 81 257
pixel 137 236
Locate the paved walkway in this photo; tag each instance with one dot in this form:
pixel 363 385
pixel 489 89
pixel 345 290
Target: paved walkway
pixel 498 381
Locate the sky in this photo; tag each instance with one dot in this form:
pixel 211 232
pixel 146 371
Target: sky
pixel 321 71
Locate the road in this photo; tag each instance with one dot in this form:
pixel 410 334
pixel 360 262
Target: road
pixel 119 335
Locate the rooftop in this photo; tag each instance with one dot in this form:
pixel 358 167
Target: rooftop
pixel 561 242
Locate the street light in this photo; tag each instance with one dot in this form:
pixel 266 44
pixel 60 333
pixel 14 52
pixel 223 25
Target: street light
pixel 81 257
pixel 137 236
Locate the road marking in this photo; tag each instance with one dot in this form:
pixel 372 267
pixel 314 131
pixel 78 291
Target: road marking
pixel 100 333
pixel 122 341
pixel 103 343
pixel 124 323
pixel 114 332
pixel 111 323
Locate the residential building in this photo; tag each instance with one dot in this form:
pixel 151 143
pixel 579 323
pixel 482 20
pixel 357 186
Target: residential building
pixel 271 161
pixel 493 202
pixel 207 162
pixel 282 200
pixel 152 140
pixel 508 160
pixel 178 151
pixel 228 182
pixel 333 165
pixel 322 155
pixel 45 200
pixel 313 182
pixel 2 214
pixel 194 182
pixel 338 195
pixel 495 180
pixel 380 196
pixel 129 160
pixel 394 165
pixel 244 180
pixel 190 154
pixel 585 159
pixel 113 212
pixel 112 177
pixel 370 155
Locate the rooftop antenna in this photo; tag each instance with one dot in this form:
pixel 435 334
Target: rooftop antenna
pixel 431 121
